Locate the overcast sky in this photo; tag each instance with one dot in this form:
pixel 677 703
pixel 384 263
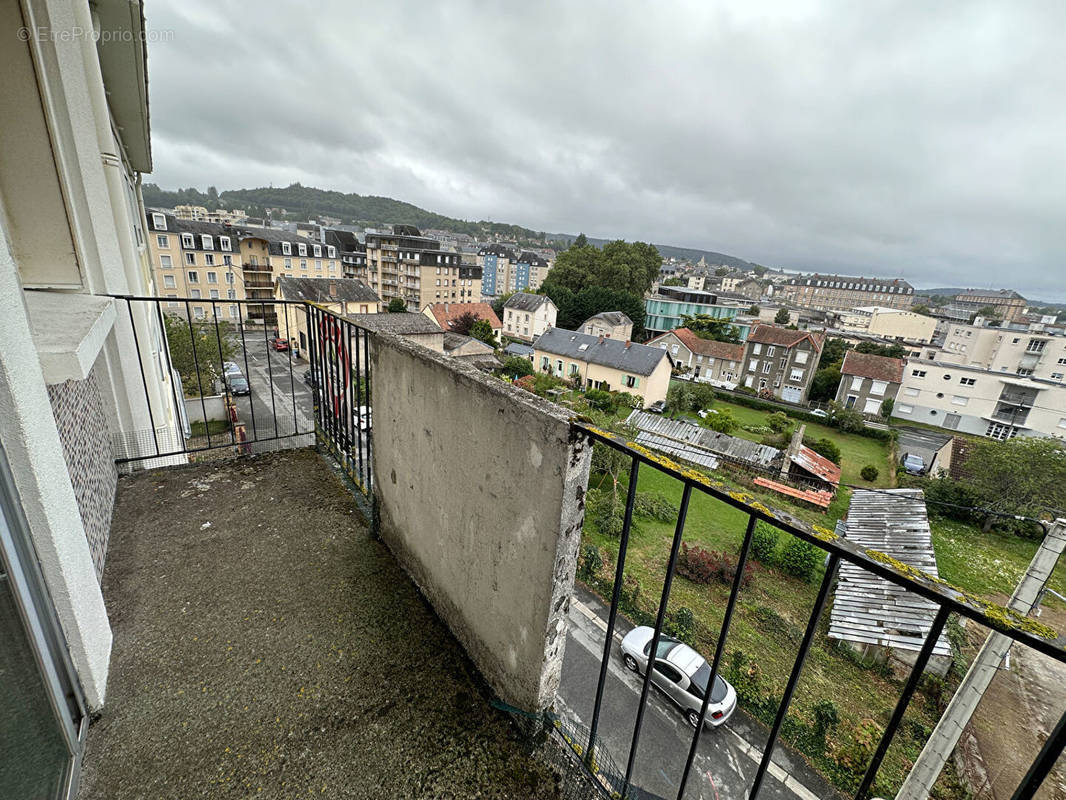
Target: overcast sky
pixel 870 138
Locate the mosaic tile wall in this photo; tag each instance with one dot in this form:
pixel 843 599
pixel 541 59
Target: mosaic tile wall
pixel 83 430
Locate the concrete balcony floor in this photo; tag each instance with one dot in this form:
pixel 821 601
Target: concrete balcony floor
pixel 266 646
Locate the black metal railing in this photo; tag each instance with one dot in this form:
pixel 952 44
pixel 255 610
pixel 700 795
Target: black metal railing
pixel 216 378
pixel 947 600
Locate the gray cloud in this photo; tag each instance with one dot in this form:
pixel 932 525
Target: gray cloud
pixel 922 140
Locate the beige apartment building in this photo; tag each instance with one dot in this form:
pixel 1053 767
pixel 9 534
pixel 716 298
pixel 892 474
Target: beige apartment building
pixel 196 260
pixel 889 323
pixel 343 296
pixel 526 316
pixel 843 292
pixel 1009 305
pixel 268 254
pixel 612 324
pixel 597 362
pixel 402 263
pixel 1003 350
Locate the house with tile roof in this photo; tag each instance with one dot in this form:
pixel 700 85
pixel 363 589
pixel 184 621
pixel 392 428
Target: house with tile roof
pixel 867 380
pixel 612 324
pixel 337 295
pixel 705 360
pixel 526 316
pixel 596 362
pixel 445 315
pixel 781 362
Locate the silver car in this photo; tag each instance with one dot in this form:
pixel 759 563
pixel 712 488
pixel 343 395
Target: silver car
pixel 682 674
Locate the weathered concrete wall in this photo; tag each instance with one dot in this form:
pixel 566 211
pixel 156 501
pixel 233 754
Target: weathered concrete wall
pixel 481 494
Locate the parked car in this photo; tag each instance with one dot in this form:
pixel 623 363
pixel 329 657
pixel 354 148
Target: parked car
pixel 238 384
pixel 819 412
pixel 682 674
pixel 229 368
pixel 657 407
pixel 280 344
pixel 913 463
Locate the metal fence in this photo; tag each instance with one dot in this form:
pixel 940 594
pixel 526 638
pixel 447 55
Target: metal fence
pixel 218 380
pixel 946 599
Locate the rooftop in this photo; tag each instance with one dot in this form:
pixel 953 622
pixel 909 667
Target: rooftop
pixel 784 337
pixel 230 677
pixel 637 359
pixel 446 313
pixel 404 323
pixel 867 365
pixel 706 347
pixel 325 290
pixel 612 318
pixel 526 301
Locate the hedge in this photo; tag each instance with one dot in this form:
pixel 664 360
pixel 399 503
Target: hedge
pixel 796 413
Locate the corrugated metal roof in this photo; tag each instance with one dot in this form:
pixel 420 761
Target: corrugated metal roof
pixel 702 441
pixel 869 609
pixel 817 464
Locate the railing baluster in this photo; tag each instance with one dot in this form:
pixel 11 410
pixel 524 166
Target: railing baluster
pixel 196 366
pixel 247 372
pixel 797 670
pixel 612 614
pixel 144 380
pixel 904 700
pixel 221 362
pixel 357 380
pixel 1043 763
pixel 370 411
pixel 659 621
pixel 178 402
pixel 292 380
pixel 719 648
pixel 270 376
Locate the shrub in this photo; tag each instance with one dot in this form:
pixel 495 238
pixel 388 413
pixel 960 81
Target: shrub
pixel 722 422
pixel 869 473
pixel 848 420
pixel 886 407
pixel 590 562
pixel 824 447
pixel 600 400
pixel 681 624
pixel 654 506
pixel 628 400
pixel 745 390
pixel 764 542
pixel 799 558
pixel 759 429
pixel 779 422
pixel 630 592
pixel 706 566
pixel 606 509
pixel 517 366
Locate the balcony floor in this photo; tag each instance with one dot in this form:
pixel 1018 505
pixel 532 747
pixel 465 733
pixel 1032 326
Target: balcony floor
pixel 266 646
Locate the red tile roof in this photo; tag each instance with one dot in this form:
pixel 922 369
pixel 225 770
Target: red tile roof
pixel 445 313
pixel 784 337
pixel 878 368
pixel 706 347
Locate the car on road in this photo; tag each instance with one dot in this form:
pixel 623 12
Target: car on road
pixel 913 464
pixel 819 412
pixel 238 384
pixel 279 344
pixel 658 407
pixel 229 368
pixel 682 674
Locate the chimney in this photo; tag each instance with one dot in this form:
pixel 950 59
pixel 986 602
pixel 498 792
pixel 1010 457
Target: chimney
pixel 628 343
pixel 792 450
pixel 601 338
pixel 333 289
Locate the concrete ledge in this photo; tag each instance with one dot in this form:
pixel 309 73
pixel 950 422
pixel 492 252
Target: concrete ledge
pixel 481 493
pixel 69 330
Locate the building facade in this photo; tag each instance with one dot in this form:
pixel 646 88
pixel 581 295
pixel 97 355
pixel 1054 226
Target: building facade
pixel 867 381
pixel 781 361
pixel 612 324
pixel 843 292
pixel 705 360
pixel 890 323
pixel 666 309
pixel 341 296
pixel 596 362
pixel 268 254
pixel 529 272
pixel 1004 350
pixel 496 261
pixel 526 316
pixel 402 263
pixel 1008 304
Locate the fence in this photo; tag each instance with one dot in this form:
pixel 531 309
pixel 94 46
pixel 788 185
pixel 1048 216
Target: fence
pixel 225 382
pixel 946 599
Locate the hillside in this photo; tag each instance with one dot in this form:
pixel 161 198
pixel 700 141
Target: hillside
pixel 301 202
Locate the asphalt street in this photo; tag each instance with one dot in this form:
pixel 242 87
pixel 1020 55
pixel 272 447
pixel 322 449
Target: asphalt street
pixel 727 756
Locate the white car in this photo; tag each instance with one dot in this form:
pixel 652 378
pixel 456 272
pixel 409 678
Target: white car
pixel 818 412
pixel 682 674
pixel 229 368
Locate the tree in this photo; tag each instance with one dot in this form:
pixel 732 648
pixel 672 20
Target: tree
pixel 397 305
pixel 721 271
pixel 580 241
pixel 886 407
pixel 463 323
pixel 753 310
pixel 517 367
pixel 825 383
pixel 887 350
pixel 482 330
pixel 782 317
pixel 708 327
pixel 195 352
pixel 833 353
pixel 499 302
pixel 722 422
pixel 759 269
pixel 675 282
pixel 921 308
pixel 576 307
pixel 621 266
pixel 1024 476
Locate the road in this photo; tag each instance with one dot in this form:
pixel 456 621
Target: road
pixel 727 756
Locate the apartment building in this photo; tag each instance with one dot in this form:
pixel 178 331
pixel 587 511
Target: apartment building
pixel 526 316
pixel 707 360
pixel 1007 303
pixel 889 323
pixel 190 213
pixel 340 296
pixel 666 309
pixel 528 272
pixel 843 292
pixel 781 361
pixel 597 362
pixel 496 261
pixel 612 324
pixel 743 286
pixel 402 263
pixel 470 278
pixel 270 253
pixel 1005 350
pixel 980 401
pixel 199 260
pixel 867 380
pixel 351 251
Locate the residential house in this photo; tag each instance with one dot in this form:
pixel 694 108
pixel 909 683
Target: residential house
pixel 339 295
pixel 706 360
pixel 844 292
pixel 666 309
pixel 889 323
pixel 526 316
pixel 781 361
pixel 1008 304
pixel 867 381
pixel 743 286
pixel 445 314
pixel 496 261
pixel 402 263
pixel 612 324
pixel 199 260
pixel 597 362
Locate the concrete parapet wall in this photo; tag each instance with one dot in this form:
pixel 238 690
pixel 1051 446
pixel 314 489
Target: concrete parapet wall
pixel 481 490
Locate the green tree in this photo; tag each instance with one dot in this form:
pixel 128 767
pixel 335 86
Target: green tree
pixel 397 305
pixel 1025 476
pixel 517 367
pixel 759 269
pixel 721 271
pixel 722 422
pixel 499 302
pixel 886 407
pixel 782 317
pixel 482 330
pixel 580 241
pixel 753 310
pixel 621 266
pixel 833 353
pixel 887 350
pixel 708 327
pixel 921 308
pixel 576 307
pixel 825 383
pixel 195 352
